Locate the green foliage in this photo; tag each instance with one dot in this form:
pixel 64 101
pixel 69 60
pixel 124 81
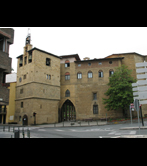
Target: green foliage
pixel 119 95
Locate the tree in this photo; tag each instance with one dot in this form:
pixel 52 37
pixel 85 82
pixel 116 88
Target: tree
pixel 120 93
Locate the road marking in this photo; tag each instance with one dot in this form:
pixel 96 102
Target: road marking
pixel 58 130
pixel 132 132
pixel 41 130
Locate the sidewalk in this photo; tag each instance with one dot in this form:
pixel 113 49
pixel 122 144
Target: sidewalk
pixel 133 128
pixel 75 124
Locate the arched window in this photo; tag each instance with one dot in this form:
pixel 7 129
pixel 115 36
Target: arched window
pixel 79 75
pixel 67 76
pixel 67 93
pixel 67 63
pixel 111 72
pixel 95 109
pixel 101 73
pixel 90 74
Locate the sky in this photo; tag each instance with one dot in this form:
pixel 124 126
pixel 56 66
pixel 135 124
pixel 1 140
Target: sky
pixel 92 42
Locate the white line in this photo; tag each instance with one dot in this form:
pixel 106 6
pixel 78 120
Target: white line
pixel 132 132
pixel 41 130
pixel 58 130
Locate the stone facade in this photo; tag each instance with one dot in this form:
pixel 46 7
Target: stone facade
pixel 53 86
pixel 38 86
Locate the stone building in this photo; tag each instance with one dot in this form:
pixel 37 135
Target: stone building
pixel 62 88
pixel 6 39
pixel 38 86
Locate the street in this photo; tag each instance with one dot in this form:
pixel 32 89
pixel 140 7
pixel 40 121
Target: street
pixel 103 131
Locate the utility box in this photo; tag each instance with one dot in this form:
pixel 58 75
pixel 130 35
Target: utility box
pixel 16 134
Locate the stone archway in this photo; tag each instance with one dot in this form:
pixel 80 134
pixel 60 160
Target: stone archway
pixel 67 112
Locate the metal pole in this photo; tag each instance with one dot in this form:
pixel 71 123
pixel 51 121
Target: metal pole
pixel 131 115
pixel 138 117
pixel 141 115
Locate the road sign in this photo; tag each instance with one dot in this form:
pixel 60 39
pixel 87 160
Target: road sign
pixel 142 70
pixel 143 102
pixel 142 82
pixel 142 95
pixel 141 76
pixel 141 64
pixel 141 88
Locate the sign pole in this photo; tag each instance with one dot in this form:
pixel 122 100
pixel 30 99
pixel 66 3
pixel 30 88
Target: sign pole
pixel 131 115
pixel 138 117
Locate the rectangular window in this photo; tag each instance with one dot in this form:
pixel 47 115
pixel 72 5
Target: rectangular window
pixel 89 64
pixel 21 91
pixel 25 76
pixel 67 77
pixel 30 57
pixel 79 75
pixel 49 77
pixel 100 74
pixel 67 64
pixel 79 65
pixel 48 63
pixel 21 61
pixel 21 104
pixel 95 109
pixel 89 75
pixel 94 96
pixel 25 60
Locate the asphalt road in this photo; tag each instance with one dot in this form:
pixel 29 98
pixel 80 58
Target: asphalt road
pixel 106 131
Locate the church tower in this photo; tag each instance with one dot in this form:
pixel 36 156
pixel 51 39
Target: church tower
pixel 38 86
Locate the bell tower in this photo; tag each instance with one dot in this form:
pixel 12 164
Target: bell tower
pixel 28 45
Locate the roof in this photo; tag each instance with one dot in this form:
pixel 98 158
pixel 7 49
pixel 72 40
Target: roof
pixel 19 56
pixel 100 59
pixel 73 55
pixel 124 54
pixel 43 52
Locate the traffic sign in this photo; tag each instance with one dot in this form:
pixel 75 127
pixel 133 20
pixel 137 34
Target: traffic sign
pixel 141 76
pixel 141 64
pixel 142 70
pixel 142 95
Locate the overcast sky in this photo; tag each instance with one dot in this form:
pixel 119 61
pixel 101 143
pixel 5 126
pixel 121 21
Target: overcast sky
pixel 92 42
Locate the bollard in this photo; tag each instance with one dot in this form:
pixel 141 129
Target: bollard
pixel 9 128
pixel 54 124
pixel 28 133
pixel 97 122
pixel 13 129
pixel 3 128
pixel 88 123
pixel 63 123
pixel 23 133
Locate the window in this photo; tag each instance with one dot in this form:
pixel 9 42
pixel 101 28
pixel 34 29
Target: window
pixel 100 63
pixel 94 96
pixel 25 76
pixel 67 63
pixel 21 91
pixel 67 76
pixel 21 61
pixel 30 57
pixel 111 72
pixel 20 79
pixel 90 74
pixel 21 104
pixel 79 65
pixel 100 73
pixel 48 77
pixel 19 118
pixel 67 93
pixel 79 75
pixel 89 64
pixel 48 63
pixel 110 62
pixel 25 60
pixel 95 109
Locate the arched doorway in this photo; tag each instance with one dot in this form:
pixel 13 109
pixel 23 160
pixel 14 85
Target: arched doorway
pixel 25 120
pixel 67 111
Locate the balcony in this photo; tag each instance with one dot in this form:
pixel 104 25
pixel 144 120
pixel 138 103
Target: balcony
pixel 5 85
pixel 3 110
pixel 5 62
